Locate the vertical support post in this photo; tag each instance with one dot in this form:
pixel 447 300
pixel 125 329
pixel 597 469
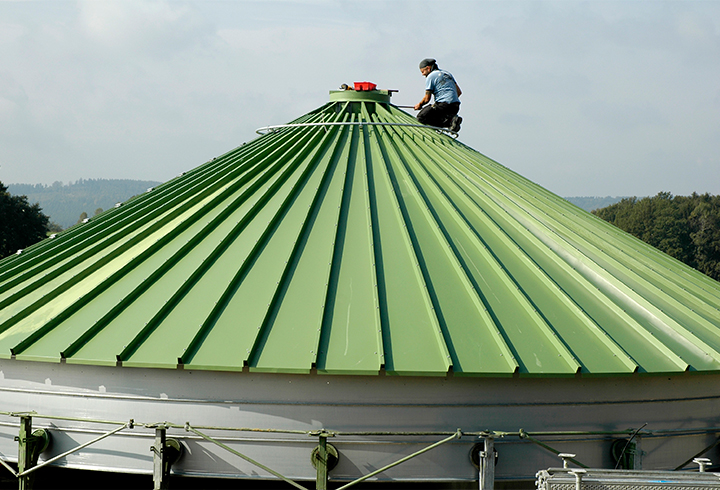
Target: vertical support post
pixel 30 445
pixel 637 453
pixel 166 452
pixel 322 462
pixel 487 464
pixel 160 480
pixel 25 452
pixel 578 478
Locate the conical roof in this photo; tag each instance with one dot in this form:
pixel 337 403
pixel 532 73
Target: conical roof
pixel 354 241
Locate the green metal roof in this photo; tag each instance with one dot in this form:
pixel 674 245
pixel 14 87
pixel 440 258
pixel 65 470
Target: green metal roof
pixel 354 241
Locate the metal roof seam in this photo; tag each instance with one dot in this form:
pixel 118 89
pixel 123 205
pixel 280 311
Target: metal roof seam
pixel 592 253
pixel 529 227
pixel 266 322
pixel 607 287
pixel 93 250
pixel 220 197
pixel 628 357
pixel 387 146
pixel 502 341
pixel 191 283
pixel 371 215
pixel 354 215
pixel 380 296
pixel 480 306
pixel 324 171
pixel 334 262
pixel 399 185
pixel 160 271
pixel 339 148
pixel 291 164
pixel 567 355
pixel 642 267
pixel 553 231
pixel 528 304
pixel 632 270
pixel 371 249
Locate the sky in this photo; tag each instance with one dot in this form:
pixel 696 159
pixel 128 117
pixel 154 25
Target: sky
pixel 595 98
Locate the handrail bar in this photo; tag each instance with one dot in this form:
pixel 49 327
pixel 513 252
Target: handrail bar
pixel 270 129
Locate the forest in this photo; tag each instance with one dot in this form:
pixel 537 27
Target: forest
pixel 21 223
pixel 685 227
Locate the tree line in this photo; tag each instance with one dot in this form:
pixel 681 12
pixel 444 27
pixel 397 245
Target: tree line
pixel 56 207
pixel 685 227
pixel 21 223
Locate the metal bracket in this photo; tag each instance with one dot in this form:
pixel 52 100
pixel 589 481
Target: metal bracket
pixel 30 445
pixel 565 458
pixel 28 471
pixel 486 476
pixel 627 453
pixel 702 463
pixel 524 435
pixel 166 452
pixel 324 458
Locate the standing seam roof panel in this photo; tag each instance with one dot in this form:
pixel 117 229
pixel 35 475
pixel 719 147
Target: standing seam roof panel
pixel 364 244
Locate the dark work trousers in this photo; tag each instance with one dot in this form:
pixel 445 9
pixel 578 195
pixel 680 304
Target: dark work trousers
pixel 440 114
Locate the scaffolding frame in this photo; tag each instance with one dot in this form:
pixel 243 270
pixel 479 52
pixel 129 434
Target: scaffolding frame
pixel 166 451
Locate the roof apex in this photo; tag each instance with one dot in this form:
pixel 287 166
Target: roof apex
pixel 351 95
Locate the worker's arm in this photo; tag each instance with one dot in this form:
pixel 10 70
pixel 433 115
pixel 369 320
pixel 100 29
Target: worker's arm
pixel 458 90
pixel 424 100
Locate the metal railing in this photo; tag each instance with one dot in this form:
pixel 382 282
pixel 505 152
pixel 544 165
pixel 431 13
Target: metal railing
pixel 269 129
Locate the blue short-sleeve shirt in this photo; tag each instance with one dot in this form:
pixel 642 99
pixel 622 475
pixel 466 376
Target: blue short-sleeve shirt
pixel 442 85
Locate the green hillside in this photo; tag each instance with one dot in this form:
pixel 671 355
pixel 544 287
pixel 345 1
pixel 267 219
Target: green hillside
pixel 64 203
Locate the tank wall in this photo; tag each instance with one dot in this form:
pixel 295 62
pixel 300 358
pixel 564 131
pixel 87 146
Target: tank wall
pixel 352 404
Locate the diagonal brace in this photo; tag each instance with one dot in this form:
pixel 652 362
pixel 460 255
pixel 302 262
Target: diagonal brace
pixel 456 435
pixel 525 435
pixel 78 448
pixel 246 458
pixel 9 468
pixel 711 446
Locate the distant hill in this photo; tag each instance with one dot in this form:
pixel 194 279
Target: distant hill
pixel 592 203
pixel 64 203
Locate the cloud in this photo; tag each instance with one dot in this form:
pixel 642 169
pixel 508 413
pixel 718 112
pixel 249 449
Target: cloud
pixel 569 94
pixel 145 28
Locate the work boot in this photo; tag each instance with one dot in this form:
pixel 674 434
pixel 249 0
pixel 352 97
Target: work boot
pixel 455 125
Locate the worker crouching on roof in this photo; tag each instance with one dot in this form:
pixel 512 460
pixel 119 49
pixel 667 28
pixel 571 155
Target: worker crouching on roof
pixel 441 85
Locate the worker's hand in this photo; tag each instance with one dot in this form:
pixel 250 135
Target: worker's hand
pixel 418 106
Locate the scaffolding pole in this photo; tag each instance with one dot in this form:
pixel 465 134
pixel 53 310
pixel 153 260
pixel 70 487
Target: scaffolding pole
pixel 487 464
